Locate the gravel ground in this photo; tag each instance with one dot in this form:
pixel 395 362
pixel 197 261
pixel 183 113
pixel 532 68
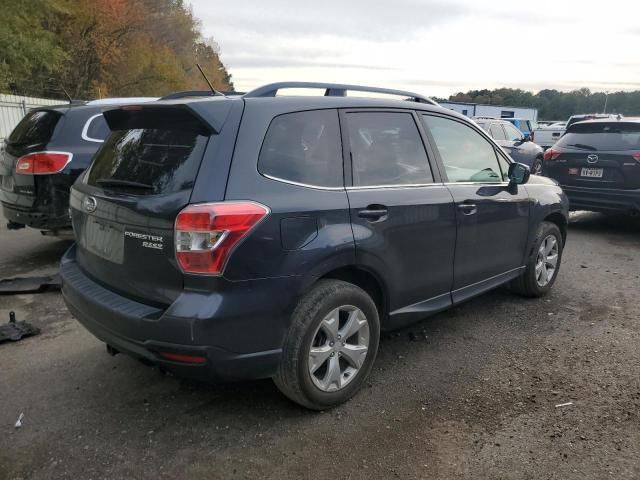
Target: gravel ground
pixel 470 393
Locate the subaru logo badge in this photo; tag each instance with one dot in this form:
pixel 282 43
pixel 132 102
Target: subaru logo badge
pixel 592 158
pixel 90 204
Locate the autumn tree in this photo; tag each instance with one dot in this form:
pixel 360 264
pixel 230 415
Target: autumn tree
pixel 124 48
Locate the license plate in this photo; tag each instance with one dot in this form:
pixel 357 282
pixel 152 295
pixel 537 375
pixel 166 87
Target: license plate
pixel 103 239
pixel 592 172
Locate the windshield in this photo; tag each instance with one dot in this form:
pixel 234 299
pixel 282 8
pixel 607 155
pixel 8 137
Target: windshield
pixel 603 136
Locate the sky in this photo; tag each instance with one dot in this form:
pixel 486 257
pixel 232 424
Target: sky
pixel 432 47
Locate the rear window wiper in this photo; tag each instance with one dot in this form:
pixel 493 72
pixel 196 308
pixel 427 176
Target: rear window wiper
pixel 112 182
pixel 582 146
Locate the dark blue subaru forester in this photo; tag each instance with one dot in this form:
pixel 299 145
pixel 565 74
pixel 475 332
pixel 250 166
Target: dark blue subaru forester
pixel 257 236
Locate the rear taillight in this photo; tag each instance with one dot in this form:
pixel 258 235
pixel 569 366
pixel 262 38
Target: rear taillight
pixel 551 154
pixel 636 157
pixel 207 233
pixel 43 163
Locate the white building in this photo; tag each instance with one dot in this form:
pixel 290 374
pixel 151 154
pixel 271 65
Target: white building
pixel 497 111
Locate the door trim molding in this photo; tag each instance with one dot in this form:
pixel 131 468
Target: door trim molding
pixel 465 293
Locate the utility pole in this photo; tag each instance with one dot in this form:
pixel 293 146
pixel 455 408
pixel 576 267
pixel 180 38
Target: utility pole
pixel 606 97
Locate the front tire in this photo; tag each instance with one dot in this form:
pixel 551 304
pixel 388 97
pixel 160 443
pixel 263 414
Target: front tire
pixel 330 347
pixel 543 264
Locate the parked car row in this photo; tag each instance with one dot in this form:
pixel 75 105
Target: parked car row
pixel 256 236
pixel 263 236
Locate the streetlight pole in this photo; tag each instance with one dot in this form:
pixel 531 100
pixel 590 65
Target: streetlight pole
pixel 606 97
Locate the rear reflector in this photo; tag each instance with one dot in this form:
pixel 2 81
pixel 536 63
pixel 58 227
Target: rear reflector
pixel 207 233
pixel 636 156
pixel 43 163
pixel 183 358
pixel 551 154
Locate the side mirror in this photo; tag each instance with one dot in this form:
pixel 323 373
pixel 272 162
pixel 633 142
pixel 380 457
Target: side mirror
pixel 519 174
pixel 527 137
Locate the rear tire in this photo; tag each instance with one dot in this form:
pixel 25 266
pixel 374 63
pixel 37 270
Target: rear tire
pixel 541 271
pixel 330 347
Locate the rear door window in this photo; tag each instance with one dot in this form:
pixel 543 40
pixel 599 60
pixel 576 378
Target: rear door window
pixel 467 156
pixel 513 134
pixel 304 148
pixel 386 149
pixel 163 158
pixel 603 136
pixel 35 128
pixel 496 131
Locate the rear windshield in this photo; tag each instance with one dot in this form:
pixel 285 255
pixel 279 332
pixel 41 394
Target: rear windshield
pixel 144 161
pixel 603 136
pixel 35 128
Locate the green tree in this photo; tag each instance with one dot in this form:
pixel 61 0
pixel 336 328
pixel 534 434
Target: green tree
pixel 29 50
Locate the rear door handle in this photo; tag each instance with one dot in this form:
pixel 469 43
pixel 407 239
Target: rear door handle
pixel 468 208
pixel 373 212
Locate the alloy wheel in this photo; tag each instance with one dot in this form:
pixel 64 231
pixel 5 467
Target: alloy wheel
pixel 339 348
pixel 547 260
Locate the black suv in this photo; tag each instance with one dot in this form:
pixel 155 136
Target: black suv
pixel 275 236
pixel 44 155
pixel 597 162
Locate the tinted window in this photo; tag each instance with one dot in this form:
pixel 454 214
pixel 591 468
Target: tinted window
pixel 304 147
pixel 513 134
pixel 603 136
pixel 96 129
pixel 467 156
pixel 150 160
pixel 36 127
pixel 386 149
pixel 496 132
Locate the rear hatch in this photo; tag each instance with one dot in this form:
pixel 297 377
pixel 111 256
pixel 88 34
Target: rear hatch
pixel 31 135
pixel 125 205
pixel 598 155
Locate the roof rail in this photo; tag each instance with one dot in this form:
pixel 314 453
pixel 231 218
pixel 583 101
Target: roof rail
pixel 190 93
pixel 333 90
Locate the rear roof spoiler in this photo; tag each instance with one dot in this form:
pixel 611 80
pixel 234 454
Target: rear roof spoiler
pixel 334 90
pixel 210 115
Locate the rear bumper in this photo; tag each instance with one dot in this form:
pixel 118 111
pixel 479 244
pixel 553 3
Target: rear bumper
pixel 42 219
pixel 45 206
pixel 602 199
pixel 238 341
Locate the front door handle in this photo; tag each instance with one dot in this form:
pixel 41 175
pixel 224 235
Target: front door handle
pixel 373 212
pixel 468 208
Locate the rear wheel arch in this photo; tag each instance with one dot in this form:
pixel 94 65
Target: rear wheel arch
pixel 367 281
pixel 561 221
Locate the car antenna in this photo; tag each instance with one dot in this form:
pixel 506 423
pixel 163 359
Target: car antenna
pixel 215 92
pixel 66 94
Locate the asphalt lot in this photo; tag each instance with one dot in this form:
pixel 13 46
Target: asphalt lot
pixel 474 399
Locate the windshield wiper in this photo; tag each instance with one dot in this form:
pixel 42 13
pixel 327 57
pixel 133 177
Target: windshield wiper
pixel 112 182
pixel 582 146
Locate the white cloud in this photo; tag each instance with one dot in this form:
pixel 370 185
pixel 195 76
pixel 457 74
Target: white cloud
pixel 436 47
